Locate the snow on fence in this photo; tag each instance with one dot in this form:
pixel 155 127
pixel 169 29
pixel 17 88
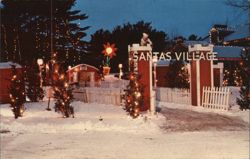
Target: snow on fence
pixel 99 95
pixel 173 95
pixel 216 97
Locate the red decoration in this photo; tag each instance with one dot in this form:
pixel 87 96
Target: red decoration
pixel 109 50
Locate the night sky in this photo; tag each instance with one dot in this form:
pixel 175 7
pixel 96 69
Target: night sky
pixel 175 17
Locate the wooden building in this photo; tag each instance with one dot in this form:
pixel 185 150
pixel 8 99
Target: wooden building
pixel 5 79
pixel 83 74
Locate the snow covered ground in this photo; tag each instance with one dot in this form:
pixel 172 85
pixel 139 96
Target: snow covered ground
pixel 234 112
pixel 105 132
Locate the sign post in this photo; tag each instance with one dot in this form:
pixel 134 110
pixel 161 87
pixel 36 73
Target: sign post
pixel 201 72
pixel 143 67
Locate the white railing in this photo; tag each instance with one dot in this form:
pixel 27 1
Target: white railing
pixel 174 95
pixel 216 97
pixel 114 84
pixel 99 95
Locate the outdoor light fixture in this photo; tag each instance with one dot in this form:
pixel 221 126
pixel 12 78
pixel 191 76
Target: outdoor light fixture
pixel 109 50
pixel 120 66
pixel 120 73
pixel 154 60
pixel 39 62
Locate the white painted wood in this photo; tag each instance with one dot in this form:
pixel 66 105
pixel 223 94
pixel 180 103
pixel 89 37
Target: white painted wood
pixel 216 98
pixel 220 66
pixel 173 95
pixel 152 92
pixel 198 82
pixel 212 73
pixel 100 95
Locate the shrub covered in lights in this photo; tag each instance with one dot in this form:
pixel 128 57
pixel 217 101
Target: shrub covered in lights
pixel 17 94
pixel 244 100
pixel 133 96
pixel 63 95
pixel 34 90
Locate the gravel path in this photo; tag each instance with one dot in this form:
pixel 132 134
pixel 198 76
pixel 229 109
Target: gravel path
pixel 188 120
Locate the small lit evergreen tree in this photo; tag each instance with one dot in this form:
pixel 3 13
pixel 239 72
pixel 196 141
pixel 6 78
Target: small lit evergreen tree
pixel 177 76
pixel 63 95
pixel 244 100
pixel 232 75
pixel 17 94
pixel 133 96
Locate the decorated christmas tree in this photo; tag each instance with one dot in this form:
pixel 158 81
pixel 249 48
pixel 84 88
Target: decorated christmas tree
pixel 17 94
pixel 232 73
pixel 244 100
pixel 133 96
pixel 33 81
pixel 63 94
pixel 177 76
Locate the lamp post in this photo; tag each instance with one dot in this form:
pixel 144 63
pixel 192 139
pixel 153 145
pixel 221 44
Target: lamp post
pixel 40 63
pixel 153 104
pixel 120 73
pixel 154 60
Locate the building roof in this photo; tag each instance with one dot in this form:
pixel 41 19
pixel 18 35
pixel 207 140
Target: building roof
pixel 239 33
pixel 6 65
pixel 82 65
pixel 163 63
pixel 228 51
pixel 189 42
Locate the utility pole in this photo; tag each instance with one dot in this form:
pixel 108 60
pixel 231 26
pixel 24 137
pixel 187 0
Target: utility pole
pixel 249 17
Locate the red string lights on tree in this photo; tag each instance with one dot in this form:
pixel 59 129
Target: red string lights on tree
pixel 133 95
pixel 62 90
pixel 63 95
pixel 17 94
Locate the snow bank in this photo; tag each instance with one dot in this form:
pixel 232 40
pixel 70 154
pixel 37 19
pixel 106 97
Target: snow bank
pixel 235 93
pixel 88 117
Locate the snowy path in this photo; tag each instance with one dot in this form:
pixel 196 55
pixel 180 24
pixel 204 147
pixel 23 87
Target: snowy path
pixel 188 120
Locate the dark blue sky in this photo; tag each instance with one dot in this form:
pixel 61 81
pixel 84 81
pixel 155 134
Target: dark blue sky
pixel 175 17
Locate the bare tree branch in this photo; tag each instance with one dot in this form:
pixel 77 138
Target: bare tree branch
pixel 241 4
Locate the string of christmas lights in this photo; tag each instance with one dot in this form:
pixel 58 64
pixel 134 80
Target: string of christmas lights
pixel 133 95
pixel 17 94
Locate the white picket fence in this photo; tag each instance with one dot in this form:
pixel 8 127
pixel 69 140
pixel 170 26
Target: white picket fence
pixel 173 95
pixel 114 84
pixel 99 95
pixel 216 97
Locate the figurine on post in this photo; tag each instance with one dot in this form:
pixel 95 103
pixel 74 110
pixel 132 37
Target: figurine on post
pixel 145 40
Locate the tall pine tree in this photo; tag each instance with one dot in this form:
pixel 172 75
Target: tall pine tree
pixel 26 31
pixel 122 36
